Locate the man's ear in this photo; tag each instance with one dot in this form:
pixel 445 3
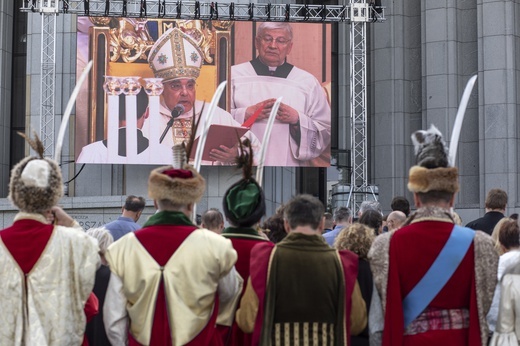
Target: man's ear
pixel 321 226
pixel 416 200
pixel 286 226
pixel 138 215
pixel 289 49
pixel 452 201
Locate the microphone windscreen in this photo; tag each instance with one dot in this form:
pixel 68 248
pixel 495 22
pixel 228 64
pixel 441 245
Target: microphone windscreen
pixel 179 109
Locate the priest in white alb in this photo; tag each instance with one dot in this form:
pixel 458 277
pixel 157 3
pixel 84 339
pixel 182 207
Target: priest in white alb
pixel 301 131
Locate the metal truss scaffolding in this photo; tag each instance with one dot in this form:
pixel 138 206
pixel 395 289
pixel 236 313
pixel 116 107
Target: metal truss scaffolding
pixel 203 10
pixel 48 74
pixel 360 190
pixel 358 13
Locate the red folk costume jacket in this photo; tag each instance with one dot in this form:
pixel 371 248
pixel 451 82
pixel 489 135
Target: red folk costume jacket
pixel 456 316
pixel 243 240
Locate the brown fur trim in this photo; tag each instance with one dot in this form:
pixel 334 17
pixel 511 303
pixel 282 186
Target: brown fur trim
pixel 177 190
pixel 486 266
pixel 33 199
pixel 436 179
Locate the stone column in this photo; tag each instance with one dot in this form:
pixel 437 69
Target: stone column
pixel 6 56
pixel 498 51
pixel 396 98
pixel 449 45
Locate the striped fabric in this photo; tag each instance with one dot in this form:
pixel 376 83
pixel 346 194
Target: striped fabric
pixel 304 334
pixel 438 319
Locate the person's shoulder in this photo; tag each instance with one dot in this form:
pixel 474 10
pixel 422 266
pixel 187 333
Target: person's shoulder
pixel 74 236
pixel 112 225
pixel 303 75
pixel 509 258
pixel 483 237
pixel 95 151
pixel 242 64
pixel 218 110
pixel 380 244
pixel 348 255
pixel 202 235
pixel 386 237
pixel 94 145
pixel 128 241
pixel 238 69
pixel 331 234
pixel 262 247
pixel 237 236
pixel 511 280
pixel 223 117
pixel 69 232
pixel 475 223
pixel 327 235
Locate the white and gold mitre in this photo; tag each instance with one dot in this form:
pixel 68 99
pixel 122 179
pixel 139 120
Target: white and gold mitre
pixel 175 55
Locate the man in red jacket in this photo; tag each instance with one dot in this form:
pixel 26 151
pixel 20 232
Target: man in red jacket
pixel 244 206
pixel 436 280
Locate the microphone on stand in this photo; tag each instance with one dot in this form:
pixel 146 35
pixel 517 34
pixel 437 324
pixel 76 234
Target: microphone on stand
pixel 176 111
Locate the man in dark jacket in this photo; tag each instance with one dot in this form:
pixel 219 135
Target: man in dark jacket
pixel 496 203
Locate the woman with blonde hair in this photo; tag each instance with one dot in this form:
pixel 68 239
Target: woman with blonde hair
pixel 494 235
pixel 358 238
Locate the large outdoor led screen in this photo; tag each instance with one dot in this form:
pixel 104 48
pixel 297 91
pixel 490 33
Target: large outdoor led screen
pixel 152 80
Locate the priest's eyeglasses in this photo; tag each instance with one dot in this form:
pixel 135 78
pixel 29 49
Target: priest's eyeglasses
pixel 178 86
pixel 282 41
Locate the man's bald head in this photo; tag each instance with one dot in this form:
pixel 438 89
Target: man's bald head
pixel 395 220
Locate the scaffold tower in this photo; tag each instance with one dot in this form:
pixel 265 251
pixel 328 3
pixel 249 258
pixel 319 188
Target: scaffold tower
pixel 49 11
pixel 360 189
pixel 357 13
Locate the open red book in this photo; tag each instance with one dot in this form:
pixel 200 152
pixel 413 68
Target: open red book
pixel 219 135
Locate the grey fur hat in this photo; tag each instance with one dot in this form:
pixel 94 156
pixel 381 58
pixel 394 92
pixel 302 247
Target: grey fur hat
pixel 432 172
pixel 36 184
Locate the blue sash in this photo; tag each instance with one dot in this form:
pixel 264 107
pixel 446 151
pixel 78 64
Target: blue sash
pixel 439 273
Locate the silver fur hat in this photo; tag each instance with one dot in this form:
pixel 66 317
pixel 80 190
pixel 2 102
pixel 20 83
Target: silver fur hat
pixel 432 172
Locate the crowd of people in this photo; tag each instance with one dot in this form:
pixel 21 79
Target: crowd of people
pixel 302 276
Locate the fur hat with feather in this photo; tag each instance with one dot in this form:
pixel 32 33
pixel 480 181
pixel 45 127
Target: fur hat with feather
pixel 36 184
pixel 179 183
pixel 432 173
